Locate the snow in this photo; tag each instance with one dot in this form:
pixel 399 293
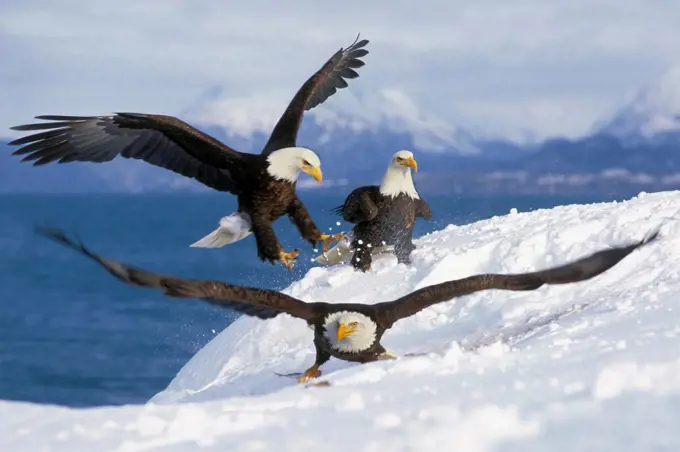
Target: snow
pixel 587 366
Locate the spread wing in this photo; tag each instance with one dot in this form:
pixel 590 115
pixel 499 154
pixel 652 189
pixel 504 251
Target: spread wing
pixel 332 76
pixel 360 205
pixel 580 270
pixel 160 140
pixel 260 303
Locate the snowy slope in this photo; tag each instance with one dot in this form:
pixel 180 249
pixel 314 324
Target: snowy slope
pixel 589 366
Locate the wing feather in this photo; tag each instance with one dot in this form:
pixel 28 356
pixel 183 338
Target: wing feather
pixel 159 140
pixel 325 82
pixel 423 209
pixel 260 303
pixel 583 269
pixel 360 205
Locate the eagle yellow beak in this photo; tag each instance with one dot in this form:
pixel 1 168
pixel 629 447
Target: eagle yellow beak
pixel 411 163
pixel 344 331
pixel 315 172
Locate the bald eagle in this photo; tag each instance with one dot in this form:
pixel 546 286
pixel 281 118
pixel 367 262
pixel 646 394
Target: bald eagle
pixel 350 331
pixel 263 183
pixel 385 215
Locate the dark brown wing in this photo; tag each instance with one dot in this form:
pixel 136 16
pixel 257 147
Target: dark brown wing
pixel 323 84
pixel 359 205
pixel 580 270
pixel 261 303
pixel 423 209
pixel 160 140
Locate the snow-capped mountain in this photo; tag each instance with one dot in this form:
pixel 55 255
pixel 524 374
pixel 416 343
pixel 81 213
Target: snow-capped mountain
pixel 653 113
pixel 352 149
pixel 353 114
pixel 637 150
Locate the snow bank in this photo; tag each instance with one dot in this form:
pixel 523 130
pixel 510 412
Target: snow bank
pixel 588 366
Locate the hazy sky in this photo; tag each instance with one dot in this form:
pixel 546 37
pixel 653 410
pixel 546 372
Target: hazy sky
pixel 520 68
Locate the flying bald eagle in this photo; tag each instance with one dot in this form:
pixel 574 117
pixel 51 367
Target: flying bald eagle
pixel 385 215
pixel 350 331
pixel 263 183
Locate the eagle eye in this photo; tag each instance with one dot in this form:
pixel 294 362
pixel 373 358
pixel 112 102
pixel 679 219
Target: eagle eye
pixel 353 324
pixel 305 163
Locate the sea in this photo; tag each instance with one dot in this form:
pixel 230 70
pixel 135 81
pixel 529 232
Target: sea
pixel 72 335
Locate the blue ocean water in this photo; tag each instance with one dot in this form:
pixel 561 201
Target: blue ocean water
pixel 70 334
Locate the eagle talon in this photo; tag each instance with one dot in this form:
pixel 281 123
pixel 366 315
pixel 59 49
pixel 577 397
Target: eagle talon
pixel 328 239
pixel 288 259
pixel 310 374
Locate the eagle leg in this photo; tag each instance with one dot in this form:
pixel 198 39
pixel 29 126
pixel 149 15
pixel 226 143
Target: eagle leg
pixel 268 246
pixel 403 252
pixel 311 373
pixel 328 239
pixel 288 259
pixel 362 258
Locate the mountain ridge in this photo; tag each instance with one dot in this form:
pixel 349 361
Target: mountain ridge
pixel 602 162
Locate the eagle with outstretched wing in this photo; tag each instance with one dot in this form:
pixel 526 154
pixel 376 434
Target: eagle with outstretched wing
pixel 264 183
pixel 350 331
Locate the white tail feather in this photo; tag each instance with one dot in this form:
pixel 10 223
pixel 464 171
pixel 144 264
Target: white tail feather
pixel 232 229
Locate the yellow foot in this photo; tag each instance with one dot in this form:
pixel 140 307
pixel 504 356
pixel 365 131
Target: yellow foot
pixel 288 259
pixel 311 373
pixel 328 239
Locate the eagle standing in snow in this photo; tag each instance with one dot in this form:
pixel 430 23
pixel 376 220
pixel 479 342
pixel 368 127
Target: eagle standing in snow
pixel 385 214
pixel 263 183
pixel 351 331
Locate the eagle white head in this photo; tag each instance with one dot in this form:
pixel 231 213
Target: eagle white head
pixel 286 164
pixel 349 332
pixel 398 178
